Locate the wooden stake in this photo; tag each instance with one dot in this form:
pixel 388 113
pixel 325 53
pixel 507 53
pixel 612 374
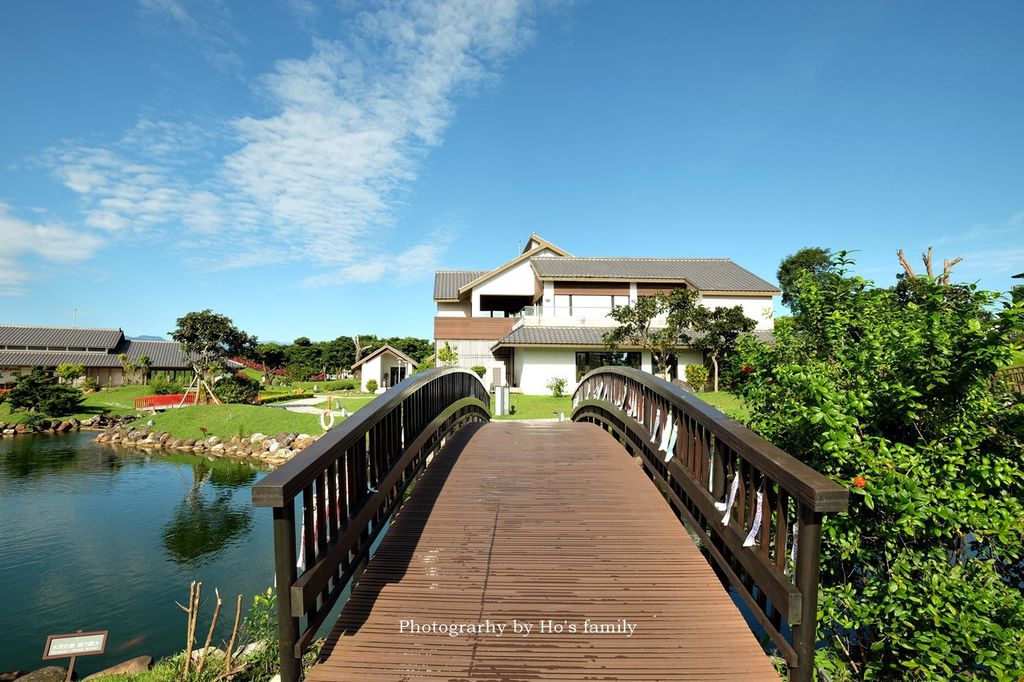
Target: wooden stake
pixel 209 634
pixel 234 633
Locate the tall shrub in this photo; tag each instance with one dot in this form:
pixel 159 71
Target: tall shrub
pixel 889 392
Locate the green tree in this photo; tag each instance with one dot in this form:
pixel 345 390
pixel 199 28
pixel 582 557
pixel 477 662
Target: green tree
pixel 129 367
pixel 813 261
pixel 717 330
pixel 39 392
pixel 447 355
pixel 659 324
pixel 70 372
pixel 921 579
pixel 208 339
pixel 271 356
pixel 145 363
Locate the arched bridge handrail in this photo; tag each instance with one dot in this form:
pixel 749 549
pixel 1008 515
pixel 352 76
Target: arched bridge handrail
pixel 347 485
pixel 756 510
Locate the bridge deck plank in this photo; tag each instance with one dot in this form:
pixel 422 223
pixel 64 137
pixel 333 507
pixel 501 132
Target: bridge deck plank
pixel 539 522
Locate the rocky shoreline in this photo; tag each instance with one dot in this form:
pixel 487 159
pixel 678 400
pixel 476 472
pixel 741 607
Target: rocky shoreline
pixel 266 450
pixel 99 422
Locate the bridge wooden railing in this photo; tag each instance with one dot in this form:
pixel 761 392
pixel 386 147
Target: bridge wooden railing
pixel 1011 377
pixel 756 510
pixel 332 501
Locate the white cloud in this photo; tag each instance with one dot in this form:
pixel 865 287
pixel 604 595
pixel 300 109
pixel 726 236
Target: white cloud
pixel 321 178
pixel 213 33
pixel 22 239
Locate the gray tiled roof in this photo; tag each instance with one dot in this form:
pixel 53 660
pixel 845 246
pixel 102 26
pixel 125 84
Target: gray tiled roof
pixel 448 282
pixel 59 337
pixel 162 355
pixel 706 274
pixel 530 335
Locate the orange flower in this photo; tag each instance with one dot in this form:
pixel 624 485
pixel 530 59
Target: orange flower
pixel 860 482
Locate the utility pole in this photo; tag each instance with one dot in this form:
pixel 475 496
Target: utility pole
pixel 74 317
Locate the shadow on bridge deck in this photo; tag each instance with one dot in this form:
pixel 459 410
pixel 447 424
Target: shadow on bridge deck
pixel 531 523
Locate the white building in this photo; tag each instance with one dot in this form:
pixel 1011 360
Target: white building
pixel 386 365
pixel 544 314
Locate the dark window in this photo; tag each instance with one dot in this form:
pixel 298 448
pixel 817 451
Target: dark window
pixel 587 361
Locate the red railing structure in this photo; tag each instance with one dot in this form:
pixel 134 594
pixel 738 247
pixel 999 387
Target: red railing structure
pixel 252 364
pixel 172 400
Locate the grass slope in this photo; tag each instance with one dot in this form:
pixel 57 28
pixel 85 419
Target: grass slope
pixel 117 401
pixel 225 421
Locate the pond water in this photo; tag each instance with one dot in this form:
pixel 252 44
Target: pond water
pixel 94 537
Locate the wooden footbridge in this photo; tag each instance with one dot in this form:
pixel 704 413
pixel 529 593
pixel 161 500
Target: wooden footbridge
pixel 465 549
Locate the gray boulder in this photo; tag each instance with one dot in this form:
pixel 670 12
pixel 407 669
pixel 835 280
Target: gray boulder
pixel 131 667
pixel 51 673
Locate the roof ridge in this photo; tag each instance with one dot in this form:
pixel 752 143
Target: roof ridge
pixel 60 326
pixel 651 258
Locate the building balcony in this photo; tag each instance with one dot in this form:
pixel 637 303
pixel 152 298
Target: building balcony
pixel 567 316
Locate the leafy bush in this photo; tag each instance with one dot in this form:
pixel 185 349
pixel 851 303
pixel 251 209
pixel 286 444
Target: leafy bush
pixel 888 392
pixel 161 386
pixel 557 386
pixel 237 388
pixel 90 385
pixel 479 370
pixel 429 362
pixel 697 376
pixel 260 625
pixel 338 385
pixel 282 397
pixel 371 385
pixel 37 392
pixel 448 355
pixel 69 372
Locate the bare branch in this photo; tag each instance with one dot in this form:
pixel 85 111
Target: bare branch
pixel 906 264
pixel 927 258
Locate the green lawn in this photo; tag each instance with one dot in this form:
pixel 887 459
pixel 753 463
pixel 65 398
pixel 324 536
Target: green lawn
pixel 728 403
pixel 349 402
pixel 116 401
pixel 548 407
pixel 537 406
pixel 120 400
pixel 225 421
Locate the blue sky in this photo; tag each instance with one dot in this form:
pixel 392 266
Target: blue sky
pixel 304 167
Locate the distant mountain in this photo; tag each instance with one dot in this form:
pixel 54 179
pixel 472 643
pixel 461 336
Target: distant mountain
pixel 146 338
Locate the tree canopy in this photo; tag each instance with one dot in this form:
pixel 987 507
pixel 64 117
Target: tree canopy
pixel 814 261
pixel 890 393
pixel 659 324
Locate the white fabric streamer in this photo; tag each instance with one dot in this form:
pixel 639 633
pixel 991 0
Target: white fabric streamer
pixel 796 541
pixel 657 423
pixel 666 432
pixel 727 507
pixel 755 527
pixel 671 452
pixel 711 470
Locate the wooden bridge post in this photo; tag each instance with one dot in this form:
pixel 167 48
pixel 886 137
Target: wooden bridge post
pixel 807 575
pixel 284 566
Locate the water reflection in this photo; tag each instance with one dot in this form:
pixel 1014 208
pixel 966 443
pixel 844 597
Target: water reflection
pixel 201 527
pixel 23 460
pixel 97 537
